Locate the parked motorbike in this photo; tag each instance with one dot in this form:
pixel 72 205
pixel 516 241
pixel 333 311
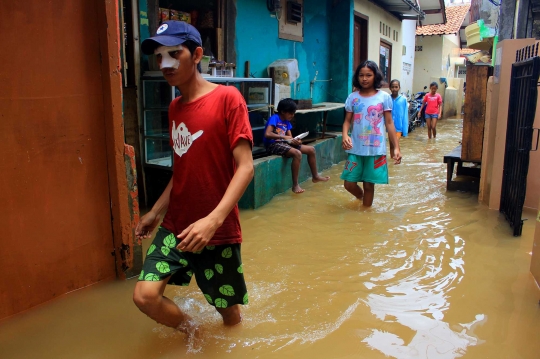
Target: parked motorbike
pixel 413 112
pixel 419 97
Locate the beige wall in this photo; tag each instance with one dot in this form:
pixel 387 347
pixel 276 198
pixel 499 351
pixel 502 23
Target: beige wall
pixel 408 29
pixel 457 83
pixel 495 132
pixel 449 51
pixel 377 15
pixel 425 64
pixel 432 62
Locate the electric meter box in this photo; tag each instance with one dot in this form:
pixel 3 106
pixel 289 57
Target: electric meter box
pixel 285 71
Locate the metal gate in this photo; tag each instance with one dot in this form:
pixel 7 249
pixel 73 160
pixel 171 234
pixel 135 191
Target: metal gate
pixel 519 134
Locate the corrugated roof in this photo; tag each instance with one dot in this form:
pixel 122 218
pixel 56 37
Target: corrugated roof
pixel 454 18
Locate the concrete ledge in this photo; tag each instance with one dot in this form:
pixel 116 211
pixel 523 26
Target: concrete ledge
pixel 273 173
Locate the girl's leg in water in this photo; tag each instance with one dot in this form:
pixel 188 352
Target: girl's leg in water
pixel 354 189
pixel 434 127
pixel 369 193
pixel 428 123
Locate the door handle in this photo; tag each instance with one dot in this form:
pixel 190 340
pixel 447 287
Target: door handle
pixel 537 138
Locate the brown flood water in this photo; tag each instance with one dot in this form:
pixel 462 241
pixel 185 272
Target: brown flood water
pixel 422 274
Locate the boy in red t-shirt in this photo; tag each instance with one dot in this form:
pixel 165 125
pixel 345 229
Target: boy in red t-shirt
pixel 433 103
pixel 213 165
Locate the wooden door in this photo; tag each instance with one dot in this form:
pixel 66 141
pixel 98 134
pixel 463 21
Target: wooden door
pixel 54 187
pixel 360 40
pixel 474 112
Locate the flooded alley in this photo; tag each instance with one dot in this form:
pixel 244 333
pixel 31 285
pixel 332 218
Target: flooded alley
pixel 424 273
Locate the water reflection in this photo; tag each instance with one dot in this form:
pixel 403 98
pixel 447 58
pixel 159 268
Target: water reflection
pixel 422 274
pixel 399 258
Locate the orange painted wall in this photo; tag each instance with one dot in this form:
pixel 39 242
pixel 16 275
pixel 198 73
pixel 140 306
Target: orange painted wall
pixel 60 120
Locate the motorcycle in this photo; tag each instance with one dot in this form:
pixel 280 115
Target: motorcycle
pixel 413 111
pixel 418 98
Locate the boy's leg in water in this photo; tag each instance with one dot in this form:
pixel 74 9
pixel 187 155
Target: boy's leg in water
pixel 354 189
pixel 434 126
pixel 231 316
pixel 296 156
pixel 312 161
pixel 369 193
pixel 148 296
pixel 428 122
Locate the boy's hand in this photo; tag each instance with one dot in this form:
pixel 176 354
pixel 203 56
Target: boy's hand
pixel 396 156
pixel 197 235
pixel 146 225
pixel 346 143
pixel 295 142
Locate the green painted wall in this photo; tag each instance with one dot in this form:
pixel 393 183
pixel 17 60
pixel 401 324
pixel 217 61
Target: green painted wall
pixel 273 173
pixel 257 41
pixel 341 56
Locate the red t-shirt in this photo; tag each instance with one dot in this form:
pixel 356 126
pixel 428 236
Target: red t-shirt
pixel 204 133
pixel 433 102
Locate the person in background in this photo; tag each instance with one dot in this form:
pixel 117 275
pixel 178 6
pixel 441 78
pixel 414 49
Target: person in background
pixel 278 140
pixel 368 114
pixel 200 234
pixel 433 104
pixel 400 112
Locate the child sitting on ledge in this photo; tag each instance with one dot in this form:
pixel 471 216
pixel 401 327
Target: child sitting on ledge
pixel 278 140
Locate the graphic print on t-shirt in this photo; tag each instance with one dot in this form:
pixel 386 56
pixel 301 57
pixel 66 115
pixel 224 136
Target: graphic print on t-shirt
pixel 182 138
pixel 370 134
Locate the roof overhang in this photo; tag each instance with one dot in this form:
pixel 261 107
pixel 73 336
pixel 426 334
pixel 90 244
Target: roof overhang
pixel 402 9
pixel 435 12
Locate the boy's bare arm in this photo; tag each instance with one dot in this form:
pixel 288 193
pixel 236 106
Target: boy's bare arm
pixel 272 135
pixel 346 140
pixel 149 221
pixel 392 136
pixel 196 236
pixel 294 141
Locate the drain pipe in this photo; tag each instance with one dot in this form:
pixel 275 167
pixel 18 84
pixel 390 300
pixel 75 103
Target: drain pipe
pixel 312 84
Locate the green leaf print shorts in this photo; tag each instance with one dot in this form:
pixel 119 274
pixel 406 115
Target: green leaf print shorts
pixel 217 269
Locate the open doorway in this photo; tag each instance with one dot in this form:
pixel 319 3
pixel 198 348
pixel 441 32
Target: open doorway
pixel 360 39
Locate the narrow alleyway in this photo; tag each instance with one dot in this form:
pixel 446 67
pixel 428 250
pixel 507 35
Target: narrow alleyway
pixel 422 274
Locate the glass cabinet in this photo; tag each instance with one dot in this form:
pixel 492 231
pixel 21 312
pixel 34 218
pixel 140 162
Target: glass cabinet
pixel 157 95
